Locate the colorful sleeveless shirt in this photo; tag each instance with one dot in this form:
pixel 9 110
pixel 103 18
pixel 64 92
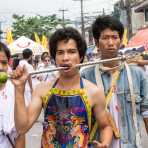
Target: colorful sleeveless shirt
pixel 66 118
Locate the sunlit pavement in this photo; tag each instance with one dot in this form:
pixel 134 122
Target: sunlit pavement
pixel 144 136
pixel 33 137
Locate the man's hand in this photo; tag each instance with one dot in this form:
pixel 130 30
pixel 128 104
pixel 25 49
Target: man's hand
pixel 100 145
pixel 19 76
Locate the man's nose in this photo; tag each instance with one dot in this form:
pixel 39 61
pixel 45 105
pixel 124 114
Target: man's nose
pixel 110 41
pixel 66 56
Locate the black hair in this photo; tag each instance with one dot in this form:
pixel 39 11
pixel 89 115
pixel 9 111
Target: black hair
pixel 103 22
pixel 16 61
pixel 27 53
pixel 67 34
pixel 5 49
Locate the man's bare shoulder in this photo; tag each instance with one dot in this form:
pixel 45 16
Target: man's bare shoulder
pixel 90 86
pixel 94 89
pixel 42 88
pixel 95 93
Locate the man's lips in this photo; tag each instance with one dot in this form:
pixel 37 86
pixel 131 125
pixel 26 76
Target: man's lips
pixel 66 66
pixel 111 49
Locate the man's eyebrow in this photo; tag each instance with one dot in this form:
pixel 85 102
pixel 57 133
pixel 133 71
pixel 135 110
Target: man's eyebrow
pixel 67 49
pixel 73 49
pixel 110 34
pixel 59 49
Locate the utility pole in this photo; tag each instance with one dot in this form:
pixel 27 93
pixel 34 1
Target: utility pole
pixel 129 15
pixel 1 32
pixel 126 6
pixel 63 15
pixel 82 18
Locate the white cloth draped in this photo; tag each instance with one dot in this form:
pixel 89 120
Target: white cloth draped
pixel 27 93
pixel 114 110
pixel 7 115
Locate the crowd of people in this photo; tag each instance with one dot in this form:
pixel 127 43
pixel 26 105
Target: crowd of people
pixel 98 106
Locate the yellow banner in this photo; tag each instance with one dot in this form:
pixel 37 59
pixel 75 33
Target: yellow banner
pixel 9 36
pixel 37 38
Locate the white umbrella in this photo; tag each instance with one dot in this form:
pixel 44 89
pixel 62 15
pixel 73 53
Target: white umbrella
pixel 22 43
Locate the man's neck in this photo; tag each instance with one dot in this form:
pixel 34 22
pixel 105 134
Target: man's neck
pixel 69 82
pixel 70 78
pixel 111 64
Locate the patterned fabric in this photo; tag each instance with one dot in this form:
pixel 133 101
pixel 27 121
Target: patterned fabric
pixel 65 119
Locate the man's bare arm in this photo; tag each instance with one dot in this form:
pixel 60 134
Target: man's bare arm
pixel 102 119
pixel 146 124
pixel 140 62
pixel 106 132
pixel 26 116
pixel 97 101
pixel 20 141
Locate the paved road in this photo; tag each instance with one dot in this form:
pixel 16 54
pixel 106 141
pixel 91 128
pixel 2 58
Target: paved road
pixel 144 136
pixel 33 137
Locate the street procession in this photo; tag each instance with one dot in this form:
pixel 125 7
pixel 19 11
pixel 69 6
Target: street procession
pixel 74 79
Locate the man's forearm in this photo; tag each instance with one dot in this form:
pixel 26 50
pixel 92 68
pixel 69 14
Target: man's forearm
pixel 146 124
pixel 20 141
pixel 20 110
pixel 106 135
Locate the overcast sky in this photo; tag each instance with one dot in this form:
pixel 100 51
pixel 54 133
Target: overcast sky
pixel 44 7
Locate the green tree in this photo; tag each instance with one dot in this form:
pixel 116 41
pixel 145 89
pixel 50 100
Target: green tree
pixel 42 25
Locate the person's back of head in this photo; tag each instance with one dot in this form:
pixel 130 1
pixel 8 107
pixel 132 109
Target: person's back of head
pixel 106 22
pixel 66 34
pixel 27 53
pixel 16 61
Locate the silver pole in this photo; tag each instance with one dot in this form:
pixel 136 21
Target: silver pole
pixel 101 61
pixel 80 65
pixel 48 70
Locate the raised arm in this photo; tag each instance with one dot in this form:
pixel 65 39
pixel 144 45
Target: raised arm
pixel 25 116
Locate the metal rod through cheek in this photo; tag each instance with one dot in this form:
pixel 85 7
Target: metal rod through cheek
pixel 79 65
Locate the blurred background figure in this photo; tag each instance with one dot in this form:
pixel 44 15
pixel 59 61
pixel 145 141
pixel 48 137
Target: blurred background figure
pixel 46 64
pixel 16 61
pixel 27 62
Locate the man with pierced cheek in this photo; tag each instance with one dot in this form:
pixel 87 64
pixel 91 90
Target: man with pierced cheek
pixel 8 135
